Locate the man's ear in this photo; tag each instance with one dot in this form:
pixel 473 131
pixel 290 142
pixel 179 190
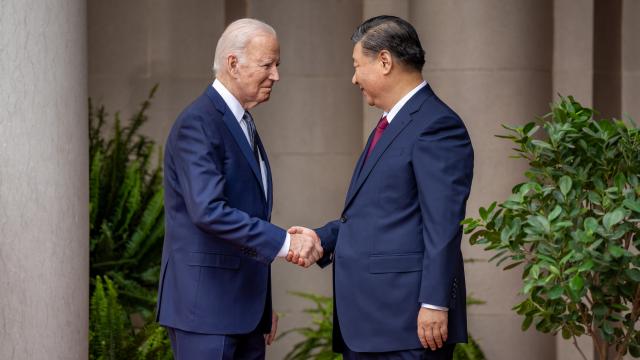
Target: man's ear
pixel 386 61
pixel 232 65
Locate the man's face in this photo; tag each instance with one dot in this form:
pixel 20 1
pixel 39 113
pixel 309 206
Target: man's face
pixel 367 75
pixel 259 71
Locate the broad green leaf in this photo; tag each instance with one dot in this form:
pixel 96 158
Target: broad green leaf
pixel 620 180
pixel 612 218
pixel 616 251
pixel 556 292
pixel 577 283
pixel 590 225
pixel 535 271
pixel 633 205
pixel 634 274
pixel 511 266
pixel 565 185
pixel 555 213
pixel 586 266
pixel 542 144
pixel 600 310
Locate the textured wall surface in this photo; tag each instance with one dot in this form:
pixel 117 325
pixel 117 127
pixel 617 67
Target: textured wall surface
pixel 44 229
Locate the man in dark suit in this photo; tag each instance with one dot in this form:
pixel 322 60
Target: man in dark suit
pixel 215 289
pixel 399 289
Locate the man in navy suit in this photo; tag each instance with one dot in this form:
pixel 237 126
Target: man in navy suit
pixel 399 289
pixel 214 295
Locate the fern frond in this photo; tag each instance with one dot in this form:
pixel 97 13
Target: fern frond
pixel 94 188
pixel 154 208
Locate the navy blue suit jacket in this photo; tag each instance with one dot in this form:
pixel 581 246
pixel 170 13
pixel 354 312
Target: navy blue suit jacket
pixel 219 243
pixel 397 244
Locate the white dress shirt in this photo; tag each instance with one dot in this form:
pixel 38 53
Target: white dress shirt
pixel 238 111
pixel 390 115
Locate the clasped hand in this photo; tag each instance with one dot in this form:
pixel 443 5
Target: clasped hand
pixel 304 248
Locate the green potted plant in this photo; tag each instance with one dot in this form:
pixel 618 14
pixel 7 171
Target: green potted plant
pixel 571 228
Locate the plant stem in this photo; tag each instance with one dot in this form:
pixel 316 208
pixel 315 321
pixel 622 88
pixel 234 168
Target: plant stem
pixel 597 342
pixel 635 312
pixel 575 343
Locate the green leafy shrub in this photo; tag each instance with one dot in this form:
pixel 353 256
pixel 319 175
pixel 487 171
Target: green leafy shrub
pixel 317 342
pixel 572 227
pixel 126 227
pixel 317 339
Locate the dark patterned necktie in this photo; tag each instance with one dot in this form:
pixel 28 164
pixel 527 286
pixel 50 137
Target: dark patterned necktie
pixel 251 127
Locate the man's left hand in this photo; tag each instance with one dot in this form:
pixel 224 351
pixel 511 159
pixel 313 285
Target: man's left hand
pixel 268 338
pixel 432 327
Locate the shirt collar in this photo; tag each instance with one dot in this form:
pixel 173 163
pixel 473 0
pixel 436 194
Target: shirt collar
pixel 396 108
pixel 229 99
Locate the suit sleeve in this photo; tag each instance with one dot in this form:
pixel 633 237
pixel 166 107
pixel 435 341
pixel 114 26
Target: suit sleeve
pixel 443 166
pixel 202 183
pixel 328 237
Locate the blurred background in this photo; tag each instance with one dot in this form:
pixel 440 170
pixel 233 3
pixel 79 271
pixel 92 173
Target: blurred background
pixel 493 61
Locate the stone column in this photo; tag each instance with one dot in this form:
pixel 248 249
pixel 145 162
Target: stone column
pixel 44 226
pixel 490 60
pixel 573 22
pixel 573 50
pixel 631 60
pixel 312 129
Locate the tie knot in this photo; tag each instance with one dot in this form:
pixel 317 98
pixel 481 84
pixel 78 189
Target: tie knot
pixel 383 123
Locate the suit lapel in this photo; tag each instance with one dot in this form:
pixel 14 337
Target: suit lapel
pixel 234 128
pixel 400 121
pixel 358 168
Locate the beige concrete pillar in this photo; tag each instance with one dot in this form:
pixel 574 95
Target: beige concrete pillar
pixel 312 128
pixel 44 228
pixel 631 60
pixel 371 8
pixel 490 60
pixel 573 50
pixel 573 22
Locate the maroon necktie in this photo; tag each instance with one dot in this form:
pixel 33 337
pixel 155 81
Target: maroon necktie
pixel 382 124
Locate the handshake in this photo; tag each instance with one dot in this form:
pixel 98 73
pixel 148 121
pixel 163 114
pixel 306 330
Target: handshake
pixel 304 248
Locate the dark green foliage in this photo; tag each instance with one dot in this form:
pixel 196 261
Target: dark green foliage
pixel 111 336
pixel 468 351
pixel 317 339
pixel 127 224
pixel 316 343
pixel 572 227
pixel 126 209
pixel 108 330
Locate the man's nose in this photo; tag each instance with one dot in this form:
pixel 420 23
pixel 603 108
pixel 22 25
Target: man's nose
pixel 275 76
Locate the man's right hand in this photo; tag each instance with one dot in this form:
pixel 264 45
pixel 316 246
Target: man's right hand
pixel 305 248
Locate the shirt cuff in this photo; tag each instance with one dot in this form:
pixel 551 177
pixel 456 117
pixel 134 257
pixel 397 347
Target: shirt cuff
pixel 284 250
pixel 434 307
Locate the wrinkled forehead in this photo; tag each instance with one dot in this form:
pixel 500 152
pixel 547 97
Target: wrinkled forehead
pixel 263 44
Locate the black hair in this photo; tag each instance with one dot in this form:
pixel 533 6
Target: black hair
pixel 393 34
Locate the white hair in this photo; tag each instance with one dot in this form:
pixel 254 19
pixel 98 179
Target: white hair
pixel 235 37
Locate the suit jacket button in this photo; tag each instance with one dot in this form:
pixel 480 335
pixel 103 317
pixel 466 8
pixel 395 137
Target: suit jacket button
pixel 343 219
